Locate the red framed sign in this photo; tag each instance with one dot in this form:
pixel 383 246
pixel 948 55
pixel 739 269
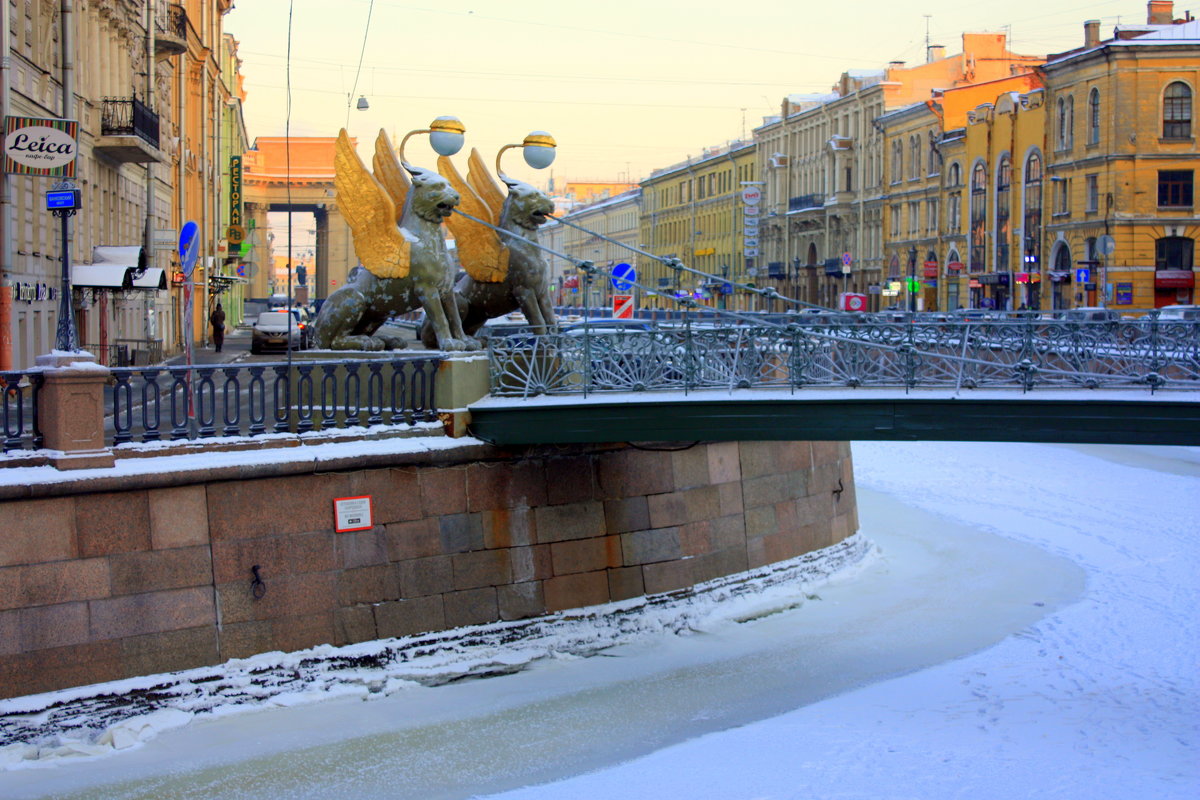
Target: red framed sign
pixel 352 514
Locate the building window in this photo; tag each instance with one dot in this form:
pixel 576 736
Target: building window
pixel 1173 252
pixel 897 161
pixel 1003 211
pixel 954 199
pixel 896 220
pixel 1033 210
pixel 1175 188
pixel 935 161
pixel 1066 123
pixel 1177 112
pixel 1062 196
pixel 914 219
pixel 931 216
pixel 914 158
pixel 978 218
pixel 1094 117
pixel 1093 193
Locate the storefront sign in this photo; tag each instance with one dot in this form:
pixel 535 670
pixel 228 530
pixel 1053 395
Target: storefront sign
pixel 36 146
pixel 235 194
pixel 1174 279
pixel 29 292
pixel 1124 294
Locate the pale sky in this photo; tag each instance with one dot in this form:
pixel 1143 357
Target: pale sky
pixel 624 86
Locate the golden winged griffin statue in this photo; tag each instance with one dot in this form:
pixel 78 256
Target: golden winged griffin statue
pixel 395 216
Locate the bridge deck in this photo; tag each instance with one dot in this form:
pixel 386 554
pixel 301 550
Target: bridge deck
pixel 1082 417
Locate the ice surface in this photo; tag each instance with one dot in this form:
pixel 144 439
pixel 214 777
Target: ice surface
pixel 1028 629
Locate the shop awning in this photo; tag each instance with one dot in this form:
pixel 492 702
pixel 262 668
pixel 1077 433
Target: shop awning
pixel 118 268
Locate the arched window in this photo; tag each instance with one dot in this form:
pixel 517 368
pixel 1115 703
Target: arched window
pixel 1094 117
pixel 954 199
pixel 1062 259
pixel 897 161
pixel 914 157
pixel 978 218
pixel 1033 211
pixel 1003 211
pixel 1177 111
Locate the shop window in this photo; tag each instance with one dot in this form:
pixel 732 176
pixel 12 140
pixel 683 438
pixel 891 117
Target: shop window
pixel 1173 252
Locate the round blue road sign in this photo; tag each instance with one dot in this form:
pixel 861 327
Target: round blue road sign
pixel 623 276
pixel 189 246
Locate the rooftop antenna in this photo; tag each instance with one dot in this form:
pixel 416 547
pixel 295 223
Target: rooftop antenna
pixel 927 53
pixel 743 124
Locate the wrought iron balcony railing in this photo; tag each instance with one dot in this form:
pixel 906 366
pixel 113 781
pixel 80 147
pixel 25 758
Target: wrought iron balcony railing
pixel 128 117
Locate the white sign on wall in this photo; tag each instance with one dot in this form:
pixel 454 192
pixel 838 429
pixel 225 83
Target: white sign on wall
pixel 352 514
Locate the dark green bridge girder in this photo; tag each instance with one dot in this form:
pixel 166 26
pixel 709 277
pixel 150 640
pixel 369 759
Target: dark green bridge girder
pixel 804 417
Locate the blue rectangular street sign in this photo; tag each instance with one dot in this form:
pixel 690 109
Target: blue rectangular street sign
pixel 67 198
pixel 1083 275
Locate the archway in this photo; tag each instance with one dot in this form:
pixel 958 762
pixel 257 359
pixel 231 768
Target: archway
pixel 295 176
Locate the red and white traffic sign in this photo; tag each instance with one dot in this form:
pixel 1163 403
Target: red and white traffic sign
pixel 622 306
pixel 852 301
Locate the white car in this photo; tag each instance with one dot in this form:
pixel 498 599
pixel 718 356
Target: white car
pixel 1179 313
pixel 276 330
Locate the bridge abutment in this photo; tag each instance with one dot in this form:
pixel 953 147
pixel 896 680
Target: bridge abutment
pixel 154 572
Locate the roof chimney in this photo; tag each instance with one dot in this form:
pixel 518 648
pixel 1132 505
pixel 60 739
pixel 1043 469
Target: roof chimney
pixel 1160 12
pixel 935 52
pixel 1091 33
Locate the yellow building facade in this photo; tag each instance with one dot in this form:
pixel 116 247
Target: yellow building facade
pixel 617 219
pixel 697 212
pixel 1121 158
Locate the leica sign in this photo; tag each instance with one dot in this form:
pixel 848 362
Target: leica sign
pixel 35 146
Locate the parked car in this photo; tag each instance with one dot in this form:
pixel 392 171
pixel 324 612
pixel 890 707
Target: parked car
pixel 1179 313
pixel 1091 314
pixel 276 330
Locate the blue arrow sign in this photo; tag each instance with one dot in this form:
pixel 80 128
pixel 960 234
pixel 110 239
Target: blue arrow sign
pixel 623 276
pixel 1083 275
pixel 189 246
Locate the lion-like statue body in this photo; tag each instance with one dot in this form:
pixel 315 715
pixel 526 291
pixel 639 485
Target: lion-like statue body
pixel 351 317
pixel 526 286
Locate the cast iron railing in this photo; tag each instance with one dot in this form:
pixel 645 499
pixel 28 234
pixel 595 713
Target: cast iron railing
pixel 149 404
pixel 121 116
pixel 171 19
pixel 152 403
pixel 1017 354
pixel 19 412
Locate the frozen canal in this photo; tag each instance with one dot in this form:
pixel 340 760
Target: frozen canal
pixel 1008 631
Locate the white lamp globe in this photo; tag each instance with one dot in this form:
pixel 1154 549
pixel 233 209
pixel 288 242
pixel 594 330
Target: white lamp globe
pixel 446 135
pixel 538 149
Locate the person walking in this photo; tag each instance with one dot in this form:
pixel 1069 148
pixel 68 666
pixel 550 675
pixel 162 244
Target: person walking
pixel 217 320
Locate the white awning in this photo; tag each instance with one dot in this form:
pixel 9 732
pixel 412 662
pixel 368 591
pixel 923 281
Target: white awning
pixel 118 268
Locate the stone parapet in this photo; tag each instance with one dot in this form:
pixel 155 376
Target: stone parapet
pixel 102 582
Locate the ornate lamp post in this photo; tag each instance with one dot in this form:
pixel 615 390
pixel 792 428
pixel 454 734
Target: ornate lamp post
pixel 63 201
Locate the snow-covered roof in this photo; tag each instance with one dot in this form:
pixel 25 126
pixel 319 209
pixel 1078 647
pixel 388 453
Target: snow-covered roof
pixel 1187 31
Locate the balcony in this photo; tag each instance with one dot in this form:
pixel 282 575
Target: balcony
pixel 128 132
pixel 170 30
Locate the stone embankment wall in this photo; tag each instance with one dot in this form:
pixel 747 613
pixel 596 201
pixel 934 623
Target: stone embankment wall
pixel 156 576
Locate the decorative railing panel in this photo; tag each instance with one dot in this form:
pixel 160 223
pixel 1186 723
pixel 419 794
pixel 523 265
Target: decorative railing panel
pixel 150 404
pixel 1022 354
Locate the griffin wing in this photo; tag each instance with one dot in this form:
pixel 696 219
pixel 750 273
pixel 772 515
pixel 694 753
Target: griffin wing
pixel 371 214
pixel 480 250
pixel 390 173
pixel 485 186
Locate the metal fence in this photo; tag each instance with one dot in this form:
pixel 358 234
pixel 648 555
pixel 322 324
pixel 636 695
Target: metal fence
pixel 149 404
pixel 1021 354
